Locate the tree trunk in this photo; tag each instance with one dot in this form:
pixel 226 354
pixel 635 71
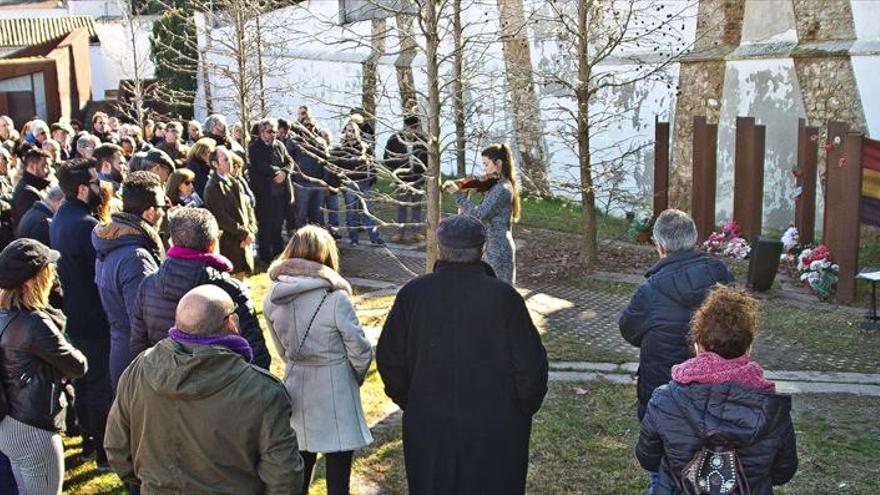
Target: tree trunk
pixel 518 65
pixel 405 81
pixel 261 74
pixel 137 87
pixel 241 56
pixel 370 77
pixel 206 73
pixel 432 44
pixel 458 89
pixel 588 198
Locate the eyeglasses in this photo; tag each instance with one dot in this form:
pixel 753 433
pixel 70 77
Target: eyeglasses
pixel 232 314
pixel 188 182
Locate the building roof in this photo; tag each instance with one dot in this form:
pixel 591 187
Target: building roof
pixel 29 31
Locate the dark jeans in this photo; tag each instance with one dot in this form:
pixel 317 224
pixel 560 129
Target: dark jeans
pixel 355 216
pixel 120 355
pixel 270 213
pixel 331 203
pixel 338 471
pixel 93 392
pixel 7 479
pixel 309 201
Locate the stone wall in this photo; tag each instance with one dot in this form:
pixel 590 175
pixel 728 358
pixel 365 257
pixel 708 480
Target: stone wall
pixel 823 20
pixel 719 27
pixel 703 84
pixel 719 22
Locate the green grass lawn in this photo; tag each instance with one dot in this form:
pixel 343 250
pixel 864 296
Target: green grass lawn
pixel 583 436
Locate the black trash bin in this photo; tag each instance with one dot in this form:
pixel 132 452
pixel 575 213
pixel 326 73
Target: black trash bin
pixel 763 263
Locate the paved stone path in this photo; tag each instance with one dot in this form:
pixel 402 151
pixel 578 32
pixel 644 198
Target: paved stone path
pixel 787 382
pixel 581 316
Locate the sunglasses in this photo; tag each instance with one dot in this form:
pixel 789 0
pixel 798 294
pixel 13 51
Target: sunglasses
pixel 188 182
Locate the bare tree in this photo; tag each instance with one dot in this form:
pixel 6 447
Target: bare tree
pixel 646 37
pixel 135 92
pixel 518 64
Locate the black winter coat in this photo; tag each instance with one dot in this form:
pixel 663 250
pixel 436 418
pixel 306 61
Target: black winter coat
pixel 71 235
pixel 7 235
pixel 157 297
pixel 265 161
pixel 28 191
pixel 35 356
pixel 658 317
pixel 757 423
pixel 309 152
pixel 460 355
pixel 202 171
pixel 35 223
pixel 407 156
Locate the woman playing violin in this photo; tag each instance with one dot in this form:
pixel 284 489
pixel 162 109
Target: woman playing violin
pixel 499 208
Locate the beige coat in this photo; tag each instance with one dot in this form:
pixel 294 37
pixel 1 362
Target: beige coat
pixel 324 378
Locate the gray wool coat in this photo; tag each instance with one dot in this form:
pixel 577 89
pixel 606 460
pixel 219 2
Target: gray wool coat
pixel 324 378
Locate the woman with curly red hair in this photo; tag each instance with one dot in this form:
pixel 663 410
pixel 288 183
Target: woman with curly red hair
pixel 719 402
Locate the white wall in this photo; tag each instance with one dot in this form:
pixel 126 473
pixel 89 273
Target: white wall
pixel 316 67
pixel 113 60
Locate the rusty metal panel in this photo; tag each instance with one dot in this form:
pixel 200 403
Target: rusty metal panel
pixel 661 166
pixel 833 153
pixel 703 179
pixel 748 176
pixel 843 200
pixel 807 167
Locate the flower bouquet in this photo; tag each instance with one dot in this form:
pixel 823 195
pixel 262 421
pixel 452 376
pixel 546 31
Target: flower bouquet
pixel 728 242
pixel 818 270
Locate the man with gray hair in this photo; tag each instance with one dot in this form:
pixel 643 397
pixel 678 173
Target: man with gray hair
pixel 86 144
pixel 191 261
pixel 460 355
pixel 35 223
pixel 191 415
pixel 657 319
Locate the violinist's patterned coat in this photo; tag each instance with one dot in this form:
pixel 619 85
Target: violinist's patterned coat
pixel 495 212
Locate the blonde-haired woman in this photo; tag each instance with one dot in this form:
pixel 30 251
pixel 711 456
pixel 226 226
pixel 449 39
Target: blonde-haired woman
pixel 34 357
pixel 498 210
pixel 315 329
pixel 197 162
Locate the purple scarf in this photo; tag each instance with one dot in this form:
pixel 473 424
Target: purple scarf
pixel 214 260
pixel 235 343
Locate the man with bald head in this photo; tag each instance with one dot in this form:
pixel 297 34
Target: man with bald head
pixel 170 429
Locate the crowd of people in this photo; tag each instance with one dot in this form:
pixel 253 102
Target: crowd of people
pixel 147 344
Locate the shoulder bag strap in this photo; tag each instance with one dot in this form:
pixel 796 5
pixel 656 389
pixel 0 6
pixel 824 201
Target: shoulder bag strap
pixel 308 328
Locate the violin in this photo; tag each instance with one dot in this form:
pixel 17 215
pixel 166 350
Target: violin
pixel 479 183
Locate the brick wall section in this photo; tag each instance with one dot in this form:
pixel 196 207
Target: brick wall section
pixel 827 81
pixel 703 83
pixel 829 90
pixel 719 24
pixel 823 20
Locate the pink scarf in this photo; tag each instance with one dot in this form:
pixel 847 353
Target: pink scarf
pixel 217 261
pixel 710 368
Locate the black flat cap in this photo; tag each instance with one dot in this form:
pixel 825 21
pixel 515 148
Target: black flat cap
pixel 461 232
pixel 160 157
pixel 22 259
